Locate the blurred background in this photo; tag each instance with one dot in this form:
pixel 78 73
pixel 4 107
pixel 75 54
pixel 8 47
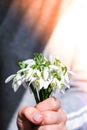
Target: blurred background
pixel 25 27
pixel 30 26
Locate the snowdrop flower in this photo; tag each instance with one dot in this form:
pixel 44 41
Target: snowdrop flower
pixel 10 78
pixel 42 76
pixel 17 82
pixel 43 84
pixel 46 73
pixel 53 67
pixel 29 62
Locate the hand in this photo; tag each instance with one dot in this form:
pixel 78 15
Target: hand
pixel 47 115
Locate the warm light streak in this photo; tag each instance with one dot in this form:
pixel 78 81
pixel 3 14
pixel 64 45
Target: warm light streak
pixel 68 41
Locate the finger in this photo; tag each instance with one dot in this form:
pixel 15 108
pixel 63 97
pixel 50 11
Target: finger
pixel 50 104
pixel 51 127
pixel 53 117
pixel 31 114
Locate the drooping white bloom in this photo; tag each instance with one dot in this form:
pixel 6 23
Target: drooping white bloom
pixel 29 62
pixel 17 82
pixel 53 67
pixel 42 74
pixel 10 78
pixel 44 84
pixel 46 73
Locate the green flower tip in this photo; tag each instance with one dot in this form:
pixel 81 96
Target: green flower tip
pixel 22 65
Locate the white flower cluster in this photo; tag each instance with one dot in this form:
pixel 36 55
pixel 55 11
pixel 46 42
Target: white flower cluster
pixel 41 73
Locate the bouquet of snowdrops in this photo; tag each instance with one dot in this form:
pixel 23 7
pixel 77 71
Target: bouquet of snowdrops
pixel 42 76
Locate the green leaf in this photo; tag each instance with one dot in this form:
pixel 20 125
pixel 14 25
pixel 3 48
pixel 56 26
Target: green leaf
pixel 64 69
pixel 40 61
pixel 57 62
pixel 56 74
pixel 22 65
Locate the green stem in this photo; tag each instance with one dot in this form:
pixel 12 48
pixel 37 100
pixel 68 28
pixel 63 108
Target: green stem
pixel 35 93
pixel 45 93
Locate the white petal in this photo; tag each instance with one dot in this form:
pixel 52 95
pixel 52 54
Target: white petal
pixel 32 80
pixel 24 84
pixel 58 85
pixel 67 79
pixel 27 76
pixel 10 78
pixel 51 59
pixel 41 83
pixel 68 86
pixel 54 67
pixel 19 76
pixel 16 85
pixel 71 72
pixel 46 84
pixel 62 91
pixel 29 62
pixel 38 72
pixel 46 73
pixel 22 70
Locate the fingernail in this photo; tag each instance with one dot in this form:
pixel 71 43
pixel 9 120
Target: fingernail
pixel 37 117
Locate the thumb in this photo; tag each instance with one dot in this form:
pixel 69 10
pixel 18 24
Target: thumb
pixel 31 114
